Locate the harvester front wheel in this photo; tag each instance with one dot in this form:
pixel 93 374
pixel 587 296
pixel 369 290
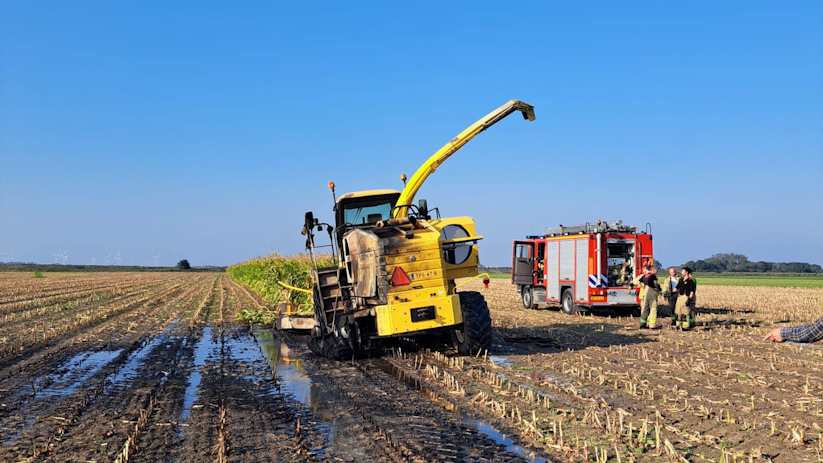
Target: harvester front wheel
pixel 331 347
pixel 335 341
pixel 476 333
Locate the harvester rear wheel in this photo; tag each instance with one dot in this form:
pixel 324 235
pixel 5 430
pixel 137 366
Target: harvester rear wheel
pixel 476 333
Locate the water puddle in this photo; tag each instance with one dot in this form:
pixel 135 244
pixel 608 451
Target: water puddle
pixel 293 382
pixel 261 355
pixel 499 360
pixel 72 374
pixel 502 348
pixel 125 374
pixel 207 347
pixel 482 427
pixel 292 378
pixel 501 439
pixel 77 370
pixel 50 389
pixel 415 384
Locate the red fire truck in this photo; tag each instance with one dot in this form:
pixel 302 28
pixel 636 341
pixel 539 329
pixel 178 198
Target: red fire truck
pixel 582 266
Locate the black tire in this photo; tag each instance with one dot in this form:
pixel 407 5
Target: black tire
pixel 476 333
pixel 567 303
pixel 331 347
pixel 527 295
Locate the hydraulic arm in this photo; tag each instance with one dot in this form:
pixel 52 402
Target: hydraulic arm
pixel 438 158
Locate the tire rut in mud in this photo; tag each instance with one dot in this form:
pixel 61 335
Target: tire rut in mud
pixel 384 408
pixel 239 411
pixel 75 383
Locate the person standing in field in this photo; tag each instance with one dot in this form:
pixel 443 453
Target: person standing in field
pixel 693 304
pixel 637 282
pixel 651 288
pixel 670 292
pixel 685 296
pixel 805 333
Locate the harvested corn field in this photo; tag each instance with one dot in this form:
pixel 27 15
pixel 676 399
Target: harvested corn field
pixel 156 367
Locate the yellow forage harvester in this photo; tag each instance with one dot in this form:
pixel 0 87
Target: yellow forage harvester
pixel 396 265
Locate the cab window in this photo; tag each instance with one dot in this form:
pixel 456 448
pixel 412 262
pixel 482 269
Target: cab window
pixel 367 215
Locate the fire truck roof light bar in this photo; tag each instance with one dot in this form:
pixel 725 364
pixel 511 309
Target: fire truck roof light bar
pixel 602 227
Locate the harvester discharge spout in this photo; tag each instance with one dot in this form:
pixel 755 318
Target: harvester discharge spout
pixel 438 158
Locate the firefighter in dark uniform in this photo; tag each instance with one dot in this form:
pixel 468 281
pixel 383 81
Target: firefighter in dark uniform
pixel 693 305
pixel 685 299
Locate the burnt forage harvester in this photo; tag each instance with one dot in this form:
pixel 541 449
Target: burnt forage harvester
pixel 396 265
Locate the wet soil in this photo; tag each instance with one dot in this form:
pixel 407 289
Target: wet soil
pixel 162 371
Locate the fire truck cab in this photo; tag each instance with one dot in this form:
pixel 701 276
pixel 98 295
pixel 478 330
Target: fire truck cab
pixel 582 267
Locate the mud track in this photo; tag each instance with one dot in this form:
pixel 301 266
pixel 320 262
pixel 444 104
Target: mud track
pixel 157 368
pixel 162 371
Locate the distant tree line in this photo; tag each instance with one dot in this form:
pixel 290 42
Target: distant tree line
pixel 483 268
pixel 32 267
pixel 739 263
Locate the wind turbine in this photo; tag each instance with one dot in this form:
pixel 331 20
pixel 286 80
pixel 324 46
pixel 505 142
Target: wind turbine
pixel 155 259
pixel 65 257
pixel 93 261
pixel 107 258
pixel 117 259
pixel 56 256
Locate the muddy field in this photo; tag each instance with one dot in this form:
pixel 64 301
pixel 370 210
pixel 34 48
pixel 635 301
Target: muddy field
pixel 155 367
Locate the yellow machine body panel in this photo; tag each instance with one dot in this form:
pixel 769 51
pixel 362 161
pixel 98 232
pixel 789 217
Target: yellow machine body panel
pixel 394 319
pixel 428 300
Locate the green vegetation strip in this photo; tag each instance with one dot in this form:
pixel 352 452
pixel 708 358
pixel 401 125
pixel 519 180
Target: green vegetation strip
pixel 263 273
pixel 768 279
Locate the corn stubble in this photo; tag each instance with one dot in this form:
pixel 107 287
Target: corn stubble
pixel 717 393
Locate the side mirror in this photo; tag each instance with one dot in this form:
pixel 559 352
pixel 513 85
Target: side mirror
pixel 423 209
pixel 309 220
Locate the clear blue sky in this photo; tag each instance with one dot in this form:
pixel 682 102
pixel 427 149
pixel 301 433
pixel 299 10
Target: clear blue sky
pixel 205 130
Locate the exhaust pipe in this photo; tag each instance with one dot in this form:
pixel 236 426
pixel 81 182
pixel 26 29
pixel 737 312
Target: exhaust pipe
pixel 397 222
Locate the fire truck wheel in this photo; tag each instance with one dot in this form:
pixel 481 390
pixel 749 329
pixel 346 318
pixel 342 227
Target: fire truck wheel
pixel 476 333
pixel 527 295
pixel 567 304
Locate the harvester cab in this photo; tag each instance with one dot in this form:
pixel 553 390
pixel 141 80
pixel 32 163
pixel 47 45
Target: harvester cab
pixel 395 266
